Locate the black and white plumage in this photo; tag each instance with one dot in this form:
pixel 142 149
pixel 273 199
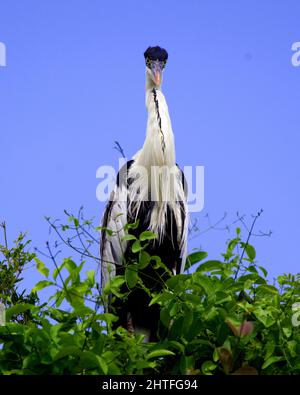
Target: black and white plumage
pixel 149 188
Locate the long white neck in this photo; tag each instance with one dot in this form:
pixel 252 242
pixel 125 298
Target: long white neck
pixel 154 170
pixel 158 148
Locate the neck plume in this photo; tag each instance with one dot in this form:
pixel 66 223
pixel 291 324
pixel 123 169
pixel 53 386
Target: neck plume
pixel 155 174
pixel 159 148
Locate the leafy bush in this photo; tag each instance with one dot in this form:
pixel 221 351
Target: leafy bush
pixel 222 318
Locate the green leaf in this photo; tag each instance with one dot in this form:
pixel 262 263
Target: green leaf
pixel 159 353
pixel 194 258
pixel 174 309
pixel 159 264
pixel 264 316
pixel 222 297
pixel 207 285
pixel 12 329
pixel 66 351
pixel 131 275
pixel 272 360
pixel 102 364
pixel 106 230
pixel 292 347
pixel 136 246
pixel 18 309
pixel 211 313
pixel 250 250
pixel 269 348
pixel 266 291
pixel 144 259
pixel 165 317
pixel 89 360
pixel 209 266
pixel 114 284
pixel 248 284
pixel 107 317
pixel 74 220
pixel 252 269
pixel 69 265
pixel 83 311
pixel 147 235
pixel 132 226
pixel 187 362
pixel 287 330
pixel 54 331
pixel 263 270
pixel 41 285
pixel 29 361
pixel 178 346
pixel 90 275
pixel 230 247
pixel 207 367
pixel 187 322
pixel 128 237
pixel 177 280
pixel 216 356
pixel 56 271
pixel 252 276
pixel 41 267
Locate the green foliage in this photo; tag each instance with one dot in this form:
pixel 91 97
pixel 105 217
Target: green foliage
pixel 223 318
pixel 12 263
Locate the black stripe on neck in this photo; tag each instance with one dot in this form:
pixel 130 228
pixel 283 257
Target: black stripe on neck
pixel 163 144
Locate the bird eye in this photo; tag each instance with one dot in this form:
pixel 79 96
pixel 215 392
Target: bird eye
pixel 148 62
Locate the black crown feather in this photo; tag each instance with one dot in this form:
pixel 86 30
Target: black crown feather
pixel 156 53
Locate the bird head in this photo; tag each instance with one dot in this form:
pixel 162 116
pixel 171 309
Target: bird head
pixel 156 59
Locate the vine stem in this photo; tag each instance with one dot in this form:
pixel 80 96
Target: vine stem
pixel 247 242
pixel 3 225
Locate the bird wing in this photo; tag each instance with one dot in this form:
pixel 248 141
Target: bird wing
pixel 114 220
pixel 183 235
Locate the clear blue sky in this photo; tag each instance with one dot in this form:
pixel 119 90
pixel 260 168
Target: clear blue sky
pixel 74 83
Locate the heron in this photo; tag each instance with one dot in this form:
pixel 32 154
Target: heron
pixel 150 192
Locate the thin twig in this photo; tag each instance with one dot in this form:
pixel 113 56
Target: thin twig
pixel 119 149
pixel 3 225
pixel 247 242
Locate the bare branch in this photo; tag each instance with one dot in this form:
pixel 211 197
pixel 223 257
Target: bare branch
pixel 119 149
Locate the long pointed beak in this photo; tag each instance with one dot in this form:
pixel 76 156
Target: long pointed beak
pixel 157 73
pixel 157 77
